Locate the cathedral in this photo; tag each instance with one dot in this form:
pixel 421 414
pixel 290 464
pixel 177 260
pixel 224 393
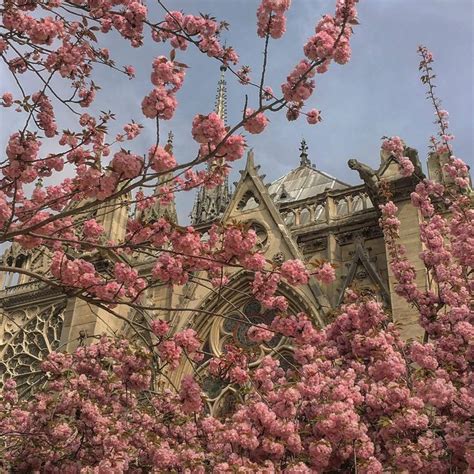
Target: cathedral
pixel 306 214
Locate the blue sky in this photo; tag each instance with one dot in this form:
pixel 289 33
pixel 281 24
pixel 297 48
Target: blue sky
pixel 378 93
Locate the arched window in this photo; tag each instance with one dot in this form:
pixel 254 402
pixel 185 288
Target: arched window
pixel 15 259
pixel 305 216
pixel 232 329
pixel 357 204
pixel 248 202
pixel 342 208
pixel 290 218
pixel 28 336
pixel 320 213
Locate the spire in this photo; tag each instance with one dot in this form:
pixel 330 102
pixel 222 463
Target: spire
pixel 210 204
pixel 220 107
pixel 304 160
pixel 158 210
pixel 169 142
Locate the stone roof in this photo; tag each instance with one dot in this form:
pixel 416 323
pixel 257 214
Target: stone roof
pixel 302 183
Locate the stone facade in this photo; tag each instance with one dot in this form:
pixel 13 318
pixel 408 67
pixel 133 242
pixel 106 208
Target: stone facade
pixel 305 214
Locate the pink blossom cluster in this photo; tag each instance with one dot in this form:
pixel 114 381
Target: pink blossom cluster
pixel 271 18
pixel 131 131
pixel 79 273
pixel 396 148
pixel 190 395
pixel 7 99
pixel 351 397
pixel 5 209
pixel 70 60
pixel 264 287
pixel 313 116
pixel 180 29
pixel 294 272
pixel 127 165
pixel 458 171
pixel 208 129
pixel 92 229
pixel 161 159
pixel 98 404
pixel 256 122
pixel 325 273
pixel 244 75
pixel 260 333
pixel 45 116
pixel 331 42
pixel 299 84
pixel 332 37
pixel 22 152
pixel 232 365
pixel 168 78
pixel 169 269
pixel 41 31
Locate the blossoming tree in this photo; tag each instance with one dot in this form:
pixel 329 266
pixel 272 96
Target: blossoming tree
pixel 356 397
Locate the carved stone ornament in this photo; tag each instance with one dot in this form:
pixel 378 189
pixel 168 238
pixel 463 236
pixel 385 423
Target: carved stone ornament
pixel 28 336
pixel 278 258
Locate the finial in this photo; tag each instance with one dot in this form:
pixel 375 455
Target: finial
pixel 250 162
pixel 170 140
pixel 304 160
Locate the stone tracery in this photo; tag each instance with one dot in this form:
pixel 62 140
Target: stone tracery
pixel 28 336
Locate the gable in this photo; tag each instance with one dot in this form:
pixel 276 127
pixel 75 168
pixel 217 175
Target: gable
pixel 251 203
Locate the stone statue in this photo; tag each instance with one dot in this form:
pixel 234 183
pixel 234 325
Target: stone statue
pixel 369 176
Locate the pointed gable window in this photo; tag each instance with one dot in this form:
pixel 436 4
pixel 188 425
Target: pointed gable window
pixel 248 202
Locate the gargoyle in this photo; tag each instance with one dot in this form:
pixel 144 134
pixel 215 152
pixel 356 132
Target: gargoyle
pixel 369 176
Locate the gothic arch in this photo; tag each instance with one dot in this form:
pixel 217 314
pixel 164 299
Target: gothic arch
pixel 28 336
pixel 234 308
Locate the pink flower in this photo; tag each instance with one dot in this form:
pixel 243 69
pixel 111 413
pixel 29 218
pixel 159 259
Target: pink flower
pixel 299 85
pixel 325 273
pixel 313 116
pixel 255 124
pixel 233 148
pixel 208 128
pixel 170 353
pixel 271 18
pixel 170 269
pixel 92 229
pixel 190 395
pixel 260 333
pixel 130 71
pixel 188 340
pixel 161 159
pixel 294 272
pixel 159 327
pixel 7 99
pixel 406 166
pixel 132 130
pixel 127 165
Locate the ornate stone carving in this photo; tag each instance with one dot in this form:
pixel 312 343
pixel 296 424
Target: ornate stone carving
pixel 233 330
pixel 278 258
pixel 368 175
pixel 248 202
pixel 27 337
pixel 262 234
pixel 364 233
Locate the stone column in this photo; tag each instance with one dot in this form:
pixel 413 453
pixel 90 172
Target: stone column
pixel 404 315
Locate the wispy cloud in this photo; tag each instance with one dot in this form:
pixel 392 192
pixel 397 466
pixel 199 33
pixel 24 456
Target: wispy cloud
pixel 377 93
